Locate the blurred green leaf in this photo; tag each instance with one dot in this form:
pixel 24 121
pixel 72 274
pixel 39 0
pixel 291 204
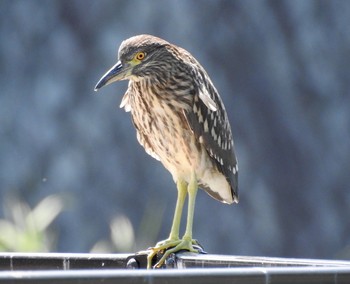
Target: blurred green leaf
pixel 27 230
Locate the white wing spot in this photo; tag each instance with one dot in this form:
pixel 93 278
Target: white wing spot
pixel 206 128
pixel 212 115
pixel 235 169
pixel 213 134
pixel 229 145
pixel 207 100
pixel 200 116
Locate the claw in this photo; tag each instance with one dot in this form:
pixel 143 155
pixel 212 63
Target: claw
pixel 150 258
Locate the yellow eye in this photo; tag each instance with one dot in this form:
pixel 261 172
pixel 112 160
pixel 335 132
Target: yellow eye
pixel 140 55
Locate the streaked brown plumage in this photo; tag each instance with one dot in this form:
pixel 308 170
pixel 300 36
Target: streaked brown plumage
pixel 180 120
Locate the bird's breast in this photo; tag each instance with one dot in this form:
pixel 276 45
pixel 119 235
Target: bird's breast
pixel 163 131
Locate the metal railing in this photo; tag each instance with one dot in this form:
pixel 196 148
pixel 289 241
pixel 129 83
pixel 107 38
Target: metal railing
pixel 181 268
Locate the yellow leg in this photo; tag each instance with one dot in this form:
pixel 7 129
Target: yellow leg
pixel 173 239
pixel 186 242
pixel 192 193
pixel 181 196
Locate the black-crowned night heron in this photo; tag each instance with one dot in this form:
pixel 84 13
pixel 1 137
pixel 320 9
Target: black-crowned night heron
pixel 181 121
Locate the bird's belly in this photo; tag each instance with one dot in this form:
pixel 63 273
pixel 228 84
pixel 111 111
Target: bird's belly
pixel 169 139
pixel 180 153
pixel 182 156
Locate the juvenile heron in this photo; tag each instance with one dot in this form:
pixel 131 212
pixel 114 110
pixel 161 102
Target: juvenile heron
pixel 181 121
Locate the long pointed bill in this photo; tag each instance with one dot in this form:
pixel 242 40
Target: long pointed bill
pixel 117 73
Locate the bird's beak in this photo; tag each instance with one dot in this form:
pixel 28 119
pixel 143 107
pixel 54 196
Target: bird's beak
pixel 117 73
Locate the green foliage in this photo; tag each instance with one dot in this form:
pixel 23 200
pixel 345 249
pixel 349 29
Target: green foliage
pixel 27 230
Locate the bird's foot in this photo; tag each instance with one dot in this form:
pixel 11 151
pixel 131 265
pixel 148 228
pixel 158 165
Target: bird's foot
pixel 168 247
pixel 184 244
pixel 159 248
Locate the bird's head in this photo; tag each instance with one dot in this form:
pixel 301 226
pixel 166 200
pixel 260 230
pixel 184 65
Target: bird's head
pixel 139 56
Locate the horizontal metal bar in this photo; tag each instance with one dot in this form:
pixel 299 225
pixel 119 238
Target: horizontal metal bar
pixel 242 275
pixel 64 268
pixel 61 261
pixel 191 260
pixel 68 261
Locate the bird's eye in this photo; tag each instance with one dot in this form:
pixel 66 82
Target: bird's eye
pixel 140 55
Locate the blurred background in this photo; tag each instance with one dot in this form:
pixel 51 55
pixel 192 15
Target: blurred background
pixel 73 177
